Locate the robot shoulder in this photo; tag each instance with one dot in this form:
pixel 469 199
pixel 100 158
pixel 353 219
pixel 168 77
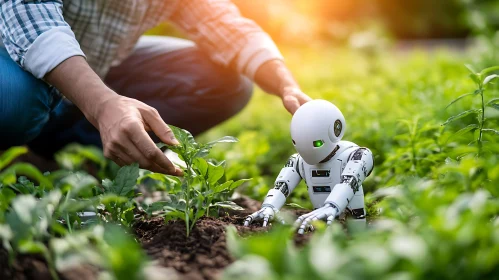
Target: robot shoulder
pixel 293 160
pixel 349 150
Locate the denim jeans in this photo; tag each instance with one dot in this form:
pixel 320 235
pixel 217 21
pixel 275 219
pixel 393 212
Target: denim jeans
pixel 170 74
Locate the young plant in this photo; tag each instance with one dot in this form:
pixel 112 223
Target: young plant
pixel 481 80
pixel 201 188
pixel 118 202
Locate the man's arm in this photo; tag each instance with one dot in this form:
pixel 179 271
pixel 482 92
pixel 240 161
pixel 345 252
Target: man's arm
pixel 232 40
pixel 40 41
pixel 36 35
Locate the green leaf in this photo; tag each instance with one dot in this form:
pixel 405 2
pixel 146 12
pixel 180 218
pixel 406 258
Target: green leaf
pixel 126 179
pixel 471 68
pixel 459 98
pixel 32 247
pixel 238 183
pixel 215 172
pixel 225 139
pixel 489 69
pixel 222 187
pixel 30 171
pixel 6 197
pixel 295 205
pixel 229 205
pixel 491 130
pixel 494 103
pixel 475 79
pixel 490 78
pixel 462 115
pixel 465 130
pixel 202 165
pixel 184 137
pixel 12 153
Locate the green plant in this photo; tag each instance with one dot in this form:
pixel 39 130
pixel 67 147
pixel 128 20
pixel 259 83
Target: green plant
pixel 201 188
pixel 481 80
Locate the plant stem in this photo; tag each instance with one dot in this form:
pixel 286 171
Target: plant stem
pixel 67 214
pixel 479 141
pixel 187 199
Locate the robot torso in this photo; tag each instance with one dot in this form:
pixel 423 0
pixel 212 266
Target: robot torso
pixel 322 177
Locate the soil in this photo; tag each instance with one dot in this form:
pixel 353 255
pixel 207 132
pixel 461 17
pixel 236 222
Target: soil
pixel 201 256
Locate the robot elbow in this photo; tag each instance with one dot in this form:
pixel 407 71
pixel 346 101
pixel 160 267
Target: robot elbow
pixel 366 157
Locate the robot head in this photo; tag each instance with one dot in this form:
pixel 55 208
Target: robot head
pixel 316 128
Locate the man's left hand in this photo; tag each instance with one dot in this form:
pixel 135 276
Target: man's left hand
pixel 293 98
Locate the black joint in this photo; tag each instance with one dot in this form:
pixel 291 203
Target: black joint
pixel 357 155
pixel 283 187
pixel 358 213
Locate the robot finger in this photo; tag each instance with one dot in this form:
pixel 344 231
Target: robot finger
pixel 303 217
pixel 250 218
pixel 279 219
pixel 266 220
pixel 304 225
pixel 330 219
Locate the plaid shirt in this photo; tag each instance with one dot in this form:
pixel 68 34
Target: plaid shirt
pixel 40 34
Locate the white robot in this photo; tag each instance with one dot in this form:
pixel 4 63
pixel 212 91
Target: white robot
pixel 333 170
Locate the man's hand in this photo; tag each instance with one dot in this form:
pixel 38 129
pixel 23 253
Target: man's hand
pixel 266 214
pixel 327 212
pixel 275 78
pixel 293 98
pixel 122 121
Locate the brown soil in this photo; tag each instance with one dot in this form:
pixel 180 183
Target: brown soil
pixel 202 255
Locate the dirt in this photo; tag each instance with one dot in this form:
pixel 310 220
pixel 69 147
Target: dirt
pixel 201 256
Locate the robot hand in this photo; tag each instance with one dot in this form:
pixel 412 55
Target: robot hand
pixel 266 214
pixel 327 212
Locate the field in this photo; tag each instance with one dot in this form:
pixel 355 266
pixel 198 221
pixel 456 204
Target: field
pixel 432 198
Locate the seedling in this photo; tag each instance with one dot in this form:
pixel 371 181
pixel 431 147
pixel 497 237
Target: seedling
pixel 481 80
pixel 201 188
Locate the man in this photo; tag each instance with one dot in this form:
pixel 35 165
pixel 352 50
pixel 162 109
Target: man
pixel 125 84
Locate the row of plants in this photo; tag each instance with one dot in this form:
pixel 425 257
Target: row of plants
pixel 71 218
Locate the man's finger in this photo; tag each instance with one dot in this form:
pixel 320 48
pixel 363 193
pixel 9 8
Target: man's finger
pixel 159 127
pixel 291 103
pixel 150 152
pixel 303 98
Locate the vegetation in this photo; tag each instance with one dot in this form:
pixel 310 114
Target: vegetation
pixel 433 200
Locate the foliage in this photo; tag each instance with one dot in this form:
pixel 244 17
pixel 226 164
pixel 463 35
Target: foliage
pixel 45 218
pixel 201 188
pixel 481 79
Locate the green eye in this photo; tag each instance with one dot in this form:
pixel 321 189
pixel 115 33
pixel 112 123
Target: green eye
pixel 318 143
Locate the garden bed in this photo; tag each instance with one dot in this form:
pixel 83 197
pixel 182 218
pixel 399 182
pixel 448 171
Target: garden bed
pixel 202 255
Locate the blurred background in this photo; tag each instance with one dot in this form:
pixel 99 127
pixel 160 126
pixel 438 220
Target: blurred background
pixel 292 21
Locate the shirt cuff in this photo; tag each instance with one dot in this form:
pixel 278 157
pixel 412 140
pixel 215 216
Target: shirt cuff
pixel 50 49
pixel 259 49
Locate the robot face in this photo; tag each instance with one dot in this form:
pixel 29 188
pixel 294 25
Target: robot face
pixel 316 128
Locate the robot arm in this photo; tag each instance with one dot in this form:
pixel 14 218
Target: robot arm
pixel 358 168
pixel 286 182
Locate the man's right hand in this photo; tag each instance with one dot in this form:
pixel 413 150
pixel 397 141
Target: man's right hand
pixel 122 122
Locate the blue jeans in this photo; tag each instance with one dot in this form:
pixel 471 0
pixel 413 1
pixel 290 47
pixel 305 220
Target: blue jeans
pixel 170 74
